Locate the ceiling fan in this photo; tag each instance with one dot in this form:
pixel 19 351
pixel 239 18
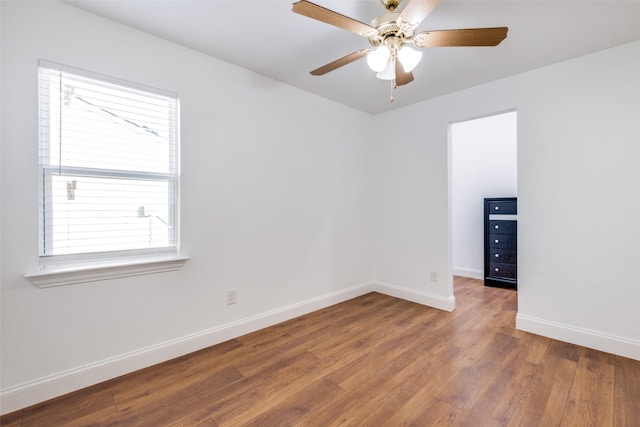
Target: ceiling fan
pixel 390 35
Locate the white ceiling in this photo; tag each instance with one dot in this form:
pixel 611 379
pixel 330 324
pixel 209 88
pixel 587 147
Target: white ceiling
pixel 265 36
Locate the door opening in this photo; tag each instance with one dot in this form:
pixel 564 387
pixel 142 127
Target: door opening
pixel 483 160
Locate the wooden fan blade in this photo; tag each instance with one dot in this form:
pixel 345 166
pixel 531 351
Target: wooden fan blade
pixel 402 77
pixel 466 37
pixel 417 10
pixel 340 62
pixel 330 17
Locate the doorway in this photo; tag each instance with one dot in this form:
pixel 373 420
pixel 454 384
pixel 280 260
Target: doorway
pixel 483 161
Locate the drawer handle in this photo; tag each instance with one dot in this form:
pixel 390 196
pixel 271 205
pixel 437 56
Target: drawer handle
pixel 496 226
pixel 497 255
pixel 497 208
pixel 496 269
pixel 496 241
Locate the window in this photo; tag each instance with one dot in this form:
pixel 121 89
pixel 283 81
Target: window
pixel 108 161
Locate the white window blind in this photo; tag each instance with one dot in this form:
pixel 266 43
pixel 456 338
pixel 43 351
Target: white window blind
pixel 108 160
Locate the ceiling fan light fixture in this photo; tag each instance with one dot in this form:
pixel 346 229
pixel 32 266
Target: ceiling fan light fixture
pixel 379 58
pixel 388 34
pixel 389 73
pixel 409 58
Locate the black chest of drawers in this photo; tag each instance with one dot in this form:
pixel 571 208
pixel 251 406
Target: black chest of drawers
pixel 501 242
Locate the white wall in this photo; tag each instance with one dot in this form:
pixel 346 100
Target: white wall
pixel 275 201
pixel 578 195
pixel 483 164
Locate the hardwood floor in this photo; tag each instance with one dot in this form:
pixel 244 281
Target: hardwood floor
pixel 371 361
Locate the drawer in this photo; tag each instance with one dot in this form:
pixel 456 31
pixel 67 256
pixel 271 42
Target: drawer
pixel 503 256
pixel 497 269
pixel 503 241
pixel 498 207
pixel 502 227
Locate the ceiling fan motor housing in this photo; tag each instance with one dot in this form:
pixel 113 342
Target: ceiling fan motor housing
pixel 390 29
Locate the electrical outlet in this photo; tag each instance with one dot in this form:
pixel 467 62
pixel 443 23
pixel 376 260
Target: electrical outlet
pixel 434 276
pixel 231 296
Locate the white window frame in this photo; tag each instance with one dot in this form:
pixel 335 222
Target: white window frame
pixel 56 270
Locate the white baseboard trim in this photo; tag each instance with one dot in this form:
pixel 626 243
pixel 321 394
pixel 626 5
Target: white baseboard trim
pixel 468 272
pixel 424 298
pixel 39 390
pixel 587 338
pixel 42 389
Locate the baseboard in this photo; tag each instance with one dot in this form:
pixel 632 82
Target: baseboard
pixel 42 389
pixel 584 337
pixel 32 392
pixel 468 272
pixel 424 298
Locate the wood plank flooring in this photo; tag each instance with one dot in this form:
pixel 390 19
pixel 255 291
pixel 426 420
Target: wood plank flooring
pixel 371 361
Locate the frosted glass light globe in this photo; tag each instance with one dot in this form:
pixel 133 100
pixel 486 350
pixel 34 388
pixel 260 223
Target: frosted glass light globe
pixel 378 59
pixel 389 73
pixel 409 58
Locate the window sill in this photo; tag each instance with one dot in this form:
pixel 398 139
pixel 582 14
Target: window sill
pixel 60 276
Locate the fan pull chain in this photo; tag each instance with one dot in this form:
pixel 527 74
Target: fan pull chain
pixel 393 86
